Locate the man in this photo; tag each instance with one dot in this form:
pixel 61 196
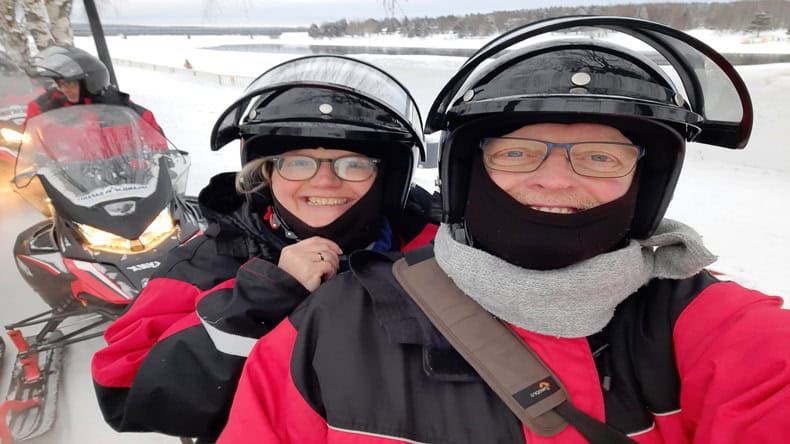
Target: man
pixel 558 162
pixel 80 79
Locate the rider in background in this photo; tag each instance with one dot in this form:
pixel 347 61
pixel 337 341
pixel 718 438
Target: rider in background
pixel 80 79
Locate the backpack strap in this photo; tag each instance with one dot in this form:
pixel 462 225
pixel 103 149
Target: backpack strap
pixel 505 362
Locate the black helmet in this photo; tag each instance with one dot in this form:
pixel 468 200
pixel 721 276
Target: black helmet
pixel 566 80
pixel 332 102
pixel 70 63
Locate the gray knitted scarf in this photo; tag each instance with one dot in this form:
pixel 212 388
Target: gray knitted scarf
pixel 578 300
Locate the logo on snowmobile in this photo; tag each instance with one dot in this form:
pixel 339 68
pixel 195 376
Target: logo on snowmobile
pixel 121 208
pixel 144 266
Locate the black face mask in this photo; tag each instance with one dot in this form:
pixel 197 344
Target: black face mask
pixel 502 226
pixel 353 230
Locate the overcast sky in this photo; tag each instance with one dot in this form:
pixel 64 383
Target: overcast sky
pixel 298 12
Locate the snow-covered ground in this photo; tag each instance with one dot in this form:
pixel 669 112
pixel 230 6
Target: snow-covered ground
pixel 737 200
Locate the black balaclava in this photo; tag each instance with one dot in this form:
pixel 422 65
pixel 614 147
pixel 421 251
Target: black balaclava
pixel 355 229
pixel 502 226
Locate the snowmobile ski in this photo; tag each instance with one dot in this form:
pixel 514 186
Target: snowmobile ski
pixel 30 406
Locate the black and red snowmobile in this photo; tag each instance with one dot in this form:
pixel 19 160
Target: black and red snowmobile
pixel 17 89
pixel 112 188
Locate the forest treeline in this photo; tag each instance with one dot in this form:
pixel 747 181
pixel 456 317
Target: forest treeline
pixel 754 16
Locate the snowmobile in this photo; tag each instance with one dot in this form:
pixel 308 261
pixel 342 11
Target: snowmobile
pixel 113 190
pixel 16 90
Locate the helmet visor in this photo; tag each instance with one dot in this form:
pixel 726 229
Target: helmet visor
pixel 56 62
pixel 329 72
pixel 711 86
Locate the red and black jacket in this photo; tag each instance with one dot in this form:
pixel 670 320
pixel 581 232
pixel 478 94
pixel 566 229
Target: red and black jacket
pixel 682 361
pixel 161 371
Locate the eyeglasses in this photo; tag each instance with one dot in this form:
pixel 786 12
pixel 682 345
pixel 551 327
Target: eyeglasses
pixel 591 159
pixel 300 167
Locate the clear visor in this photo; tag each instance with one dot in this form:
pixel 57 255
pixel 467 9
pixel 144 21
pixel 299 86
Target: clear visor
pixel 706 81
pixel 325 71
pixel 53 62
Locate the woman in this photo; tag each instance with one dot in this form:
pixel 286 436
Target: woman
pixel 328 145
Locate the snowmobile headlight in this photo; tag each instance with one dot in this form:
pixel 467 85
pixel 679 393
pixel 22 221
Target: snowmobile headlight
pixel 159 229
pixel 12 136
pixel 156 232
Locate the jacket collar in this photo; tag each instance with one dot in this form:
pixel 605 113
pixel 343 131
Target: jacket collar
pixel 236 223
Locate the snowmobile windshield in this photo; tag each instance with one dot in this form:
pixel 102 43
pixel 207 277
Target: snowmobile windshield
pixel 330 72
pixel 708 84
pixel 97 153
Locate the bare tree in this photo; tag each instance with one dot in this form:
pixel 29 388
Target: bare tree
pixel 59 12
pixel 390 6
pixel 38 24
pixel 213 8
pixel 760 22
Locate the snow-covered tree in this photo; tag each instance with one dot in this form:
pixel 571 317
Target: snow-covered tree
pixel 59 12
pixel 40 22
pixel 13 38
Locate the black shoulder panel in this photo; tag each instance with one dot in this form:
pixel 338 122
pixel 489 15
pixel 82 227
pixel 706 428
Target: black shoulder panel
pixel 361 378
pixel 637 362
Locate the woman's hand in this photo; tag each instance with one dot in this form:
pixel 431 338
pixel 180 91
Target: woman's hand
pixel 311 261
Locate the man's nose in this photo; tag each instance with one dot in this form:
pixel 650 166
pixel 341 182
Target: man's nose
pixel 555 171
pixel 557 158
